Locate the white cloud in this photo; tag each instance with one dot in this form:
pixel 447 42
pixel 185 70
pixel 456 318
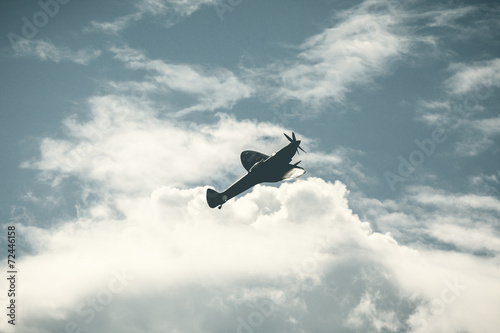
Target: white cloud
pixel 429 196
pixel 47 51
pixel 466 106
pixel 171 10
pixel 341 162
pixel 288 258
pixel 366 311
pixel 489 127
pixel 117 25
pixel 212 88
pixel 479 78
pixel 355 51
pixel 475 238
pixel 297 248
pixel 485 183
pixel 447 17
pixel 121 138
pixel 183 7
pixel 480 136
pixel 424 211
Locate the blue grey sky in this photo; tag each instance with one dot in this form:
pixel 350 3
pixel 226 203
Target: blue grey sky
pixel 118 115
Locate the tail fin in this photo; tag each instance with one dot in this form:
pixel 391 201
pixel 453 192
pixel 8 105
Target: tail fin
pixel 214 198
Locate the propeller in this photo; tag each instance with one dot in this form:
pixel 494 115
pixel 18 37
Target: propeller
pixel 294 139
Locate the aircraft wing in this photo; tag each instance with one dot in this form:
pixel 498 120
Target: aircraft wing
pixel 250 157
pixel 293 172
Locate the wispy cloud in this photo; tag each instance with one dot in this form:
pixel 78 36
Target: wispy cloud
pixel 474 77
pixel 341 162
pixel 446 16
pixel 212 88
pixel 360 47
pixel 430 196
pixel 466 105
pixel 46 51
pixel 171 10
pixel 422 210
pixel 471 238
pixel 364 44
pixel 114 27
pixel 443 22
pixel 183 7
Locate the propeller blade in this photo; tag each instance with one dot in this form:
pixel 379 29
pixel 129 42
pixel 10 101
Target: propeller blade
pixel 297 163
pixel 301 149
pixel 289 138
pixel 293 136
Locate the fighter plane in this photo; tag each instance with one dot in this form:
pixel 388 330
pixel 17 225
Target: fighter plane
pixel 261 168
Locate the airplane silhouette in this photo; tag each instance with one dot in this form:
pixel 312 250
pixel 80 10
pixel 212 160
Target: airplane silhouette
pixel 261 168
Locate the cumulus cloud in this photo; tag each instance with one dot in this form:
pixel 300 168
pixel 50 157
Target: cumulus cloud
pixel 128 148
pixel 295 257
pixel 46 51
pixel 292 257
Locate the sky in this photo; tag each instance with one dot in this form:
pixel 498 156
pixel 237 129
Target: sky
pixel 116 116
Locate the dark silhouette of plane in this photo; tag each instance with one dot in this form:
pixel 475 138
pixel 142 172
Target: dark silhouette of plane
pixel 261 168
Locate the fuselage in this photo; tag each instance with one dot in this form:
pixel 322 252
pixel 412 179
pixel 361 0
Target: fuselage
pixel 274 168
pixel 282 156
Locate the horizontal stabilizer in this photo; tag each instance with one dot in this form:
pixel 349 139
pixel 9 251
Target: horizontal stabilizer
pixel 214 198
